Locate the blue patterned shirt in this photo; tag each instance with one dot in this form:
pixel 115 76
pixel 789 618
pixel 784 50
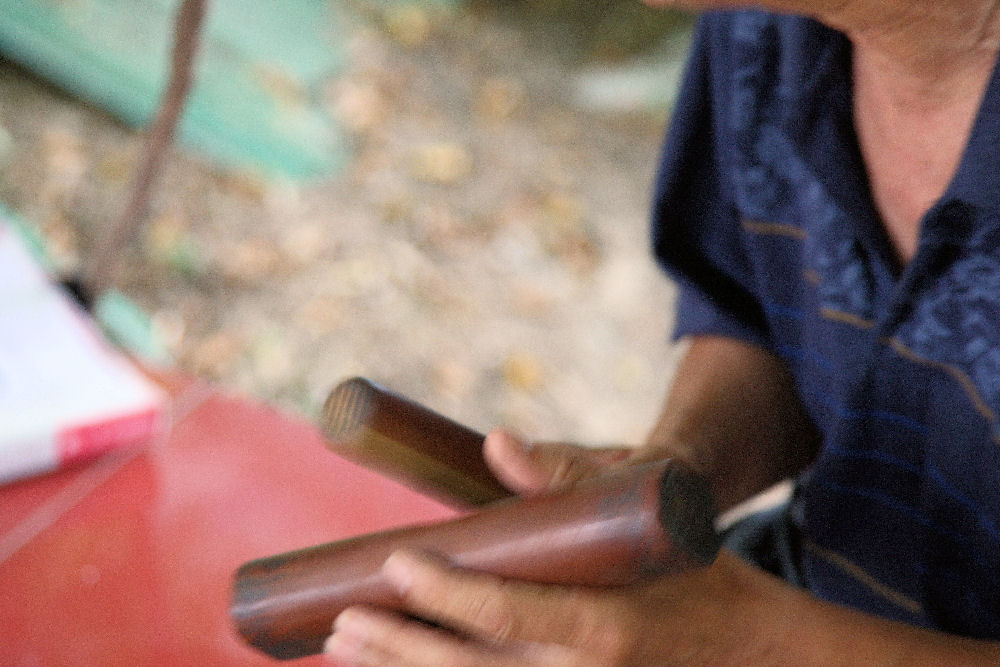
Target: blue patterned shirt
pixel 764 216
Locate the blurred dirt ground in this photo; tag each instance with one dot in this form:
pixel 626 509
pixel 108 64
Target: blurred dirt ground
pixel 484 252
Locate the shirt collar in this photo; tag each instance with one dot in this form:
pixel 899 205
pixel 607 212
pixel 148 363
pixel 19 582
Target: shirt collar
pixel 977 180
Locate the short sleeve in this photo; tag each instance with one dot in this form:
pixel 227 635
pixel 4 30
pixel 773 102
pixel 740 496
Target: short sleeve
pixel 696 233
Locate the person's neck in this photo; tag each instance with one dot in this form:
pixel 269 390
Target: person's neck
pixel 918 84
pixel 927 53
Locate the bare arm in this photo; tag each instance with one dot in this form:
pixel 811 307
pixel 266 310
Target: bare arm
pixel 733 411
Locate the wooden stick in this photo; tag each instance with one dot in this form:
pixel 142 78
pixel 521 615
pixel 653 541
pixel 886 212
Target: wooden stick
pixel 381 430
pixel 610 531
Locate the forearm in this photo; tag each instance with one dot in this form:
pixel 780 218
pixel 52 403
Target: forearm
pixel 733 411
pixel 809 631
pixel 889 643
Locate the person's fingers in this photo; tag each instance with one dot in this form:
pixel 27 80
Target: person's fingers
pixel 373 637
pixel 493 609
pixel 509 458
pixel 532 468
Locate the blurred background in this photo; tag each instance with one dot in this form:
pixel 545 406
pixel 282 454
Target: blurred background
pixel 471 230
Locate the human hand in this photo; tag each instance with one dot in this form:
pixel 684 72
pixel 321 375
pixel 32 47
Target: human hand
pixel 530 468
pixel 719 615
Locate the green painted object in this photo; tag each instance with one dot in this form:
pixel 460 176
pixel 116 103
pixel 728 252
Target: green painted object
pixel 29 236
pixel 129 327
pixel 256 99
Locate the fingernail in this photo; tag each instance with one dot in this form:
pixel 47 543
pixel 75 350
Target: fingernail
pixel 400 569
pixel 499 441
pixel 350 621
pixel 341 648
pixel 348 638
pixel 522 443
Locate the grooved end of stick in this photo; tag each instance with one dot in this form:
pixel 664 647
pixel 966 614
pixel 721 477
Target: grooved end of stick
pixel 348 408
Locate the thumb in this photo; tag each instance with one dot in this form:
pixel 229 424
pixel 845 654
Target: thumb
pixel 534 468
pixel 510 459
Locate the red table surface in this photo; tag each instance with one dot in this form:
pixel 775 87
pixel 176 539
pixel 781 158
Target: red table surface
pixel 129 560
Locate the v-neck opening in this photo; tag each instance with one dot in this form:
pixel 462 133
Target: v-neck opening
pixel 980 159
pixel 964 185
pixel 854 191
pixel 940 224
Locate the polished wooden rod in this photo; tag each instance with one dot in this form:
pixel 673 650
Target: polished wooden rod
pixel 612 531
pixel 381 430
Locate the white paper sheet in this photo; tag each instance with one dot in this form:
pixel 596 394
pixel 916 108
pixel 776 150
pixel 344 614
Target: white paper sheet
pixel 65 393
